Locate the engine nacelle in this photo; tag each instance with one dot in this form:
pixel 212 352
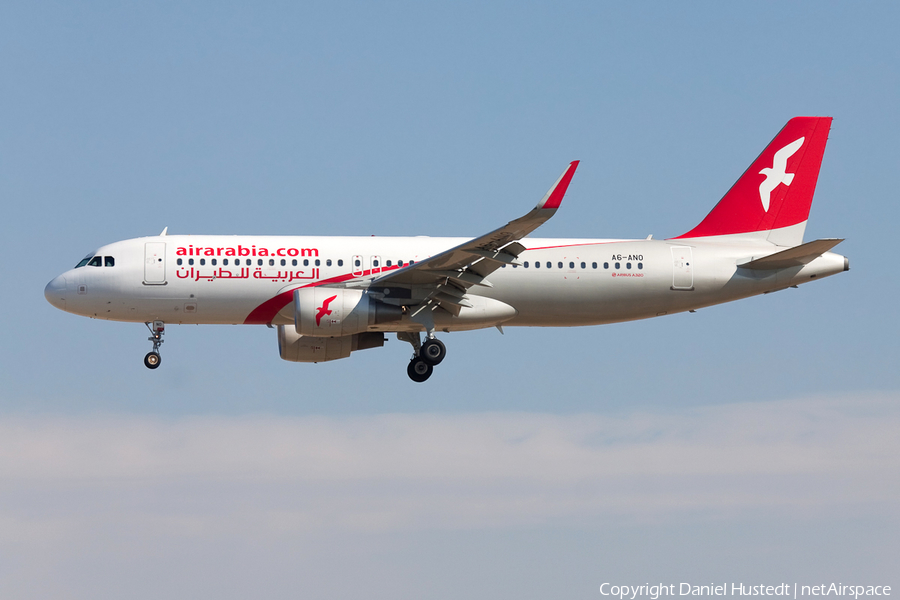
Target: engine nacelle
pixel 301 348
pixel 338 312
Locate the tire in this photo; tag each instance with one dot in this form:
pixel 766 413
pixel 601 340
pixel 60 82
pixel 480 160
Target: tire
pixel 419 370
pixel 152 360
pixel 433 351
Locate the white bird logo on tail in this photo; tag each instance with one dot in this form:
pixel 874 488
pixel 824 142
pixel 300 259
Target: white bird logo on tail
pixel 777 174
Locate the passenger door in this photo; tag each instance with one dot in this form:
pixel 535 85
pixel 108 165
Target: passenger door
pixel 155 263
pixel 682 268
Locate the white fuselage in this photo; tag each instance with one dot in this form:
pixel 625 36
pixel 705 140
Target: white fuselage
pixel 558 282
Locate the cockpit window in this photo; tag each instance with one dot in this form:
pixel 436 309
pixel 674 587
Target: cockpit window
pixel 84 261
pixel 109 261
pixel 97 261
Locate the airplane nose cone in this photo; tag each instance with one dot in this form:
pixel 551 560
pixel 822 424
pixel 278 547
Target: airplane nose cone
pixel 55 292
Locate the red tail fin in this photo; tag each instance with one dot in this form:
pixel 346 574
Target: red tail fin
pixel 773 196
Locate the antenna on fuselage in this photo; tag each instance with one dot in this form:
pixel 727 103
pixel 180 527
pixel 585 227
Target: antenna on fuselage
pixel 165 229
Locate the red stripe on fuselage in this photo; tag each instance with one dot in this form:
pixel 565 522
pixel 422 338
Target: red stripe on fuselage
pixel 581 244
pixel 265 312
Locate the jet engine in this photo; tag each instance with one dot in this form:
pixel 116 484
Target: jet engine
pixel 337 312
pixel 301 348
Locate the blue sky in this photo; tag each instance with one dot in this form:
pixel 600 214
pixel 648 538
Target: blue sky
pixel 430 119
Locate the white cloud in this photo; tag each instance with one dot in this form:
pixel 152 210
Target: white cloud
pixel 218 506
pixel 400 471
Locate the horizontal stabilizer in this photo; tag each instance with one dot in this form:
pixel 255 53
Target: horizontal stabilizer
pixel 793 257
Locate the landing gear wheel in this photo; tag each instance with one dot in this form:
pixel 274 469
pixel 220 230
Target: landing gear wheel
pixel 433 351
pixel 152 360
pixel 419 370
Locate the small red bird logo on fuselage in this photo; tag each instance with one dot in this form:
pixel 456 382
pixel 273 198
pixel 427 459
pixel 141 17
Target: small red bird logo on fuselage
pixel 323 310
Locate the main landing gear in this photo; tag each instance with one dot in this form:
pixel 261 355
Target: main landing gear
pixel 425 356
pixel 153 360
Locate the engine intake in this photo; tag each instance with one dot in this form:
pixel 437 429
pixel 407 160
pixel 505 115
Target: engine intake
pixel 338 312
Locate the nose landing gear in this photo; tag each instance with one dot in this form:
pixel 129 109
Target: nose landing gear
pixel 425 356
pixel 153 359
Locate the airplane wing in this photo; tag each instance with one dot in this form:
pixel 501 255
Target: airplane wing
pixel 444 278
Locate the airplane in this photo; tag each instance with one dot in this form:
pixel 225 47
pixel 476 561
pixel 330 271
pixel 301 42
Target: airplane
pixel 328 297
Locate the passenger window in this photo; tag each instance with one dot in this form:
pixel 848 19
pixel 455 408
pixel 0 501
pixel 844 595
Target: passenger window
pixel 96 262
pixel 283 262
pixel 318 263
pixel 340 262
pixel 356 263
pixel 549 264
pixel 178 262
pixel 387 264
pixel 213 262
pixel 560 265
pixel 271 262
pixel 412 262
pixel 375 263
pixel 224 262
pixel 526 264
pixel 584 265
pixel 594 265
pixel 305 262
pixel 258 262
pixel 627 265
pixel 640 265
pixel 618 265
pixel 537 264
pixel 190 261
pixel 202 262
pixel 109 261
pixel 294 263
pixel 399 263
pixel 605 265
pixel 328 263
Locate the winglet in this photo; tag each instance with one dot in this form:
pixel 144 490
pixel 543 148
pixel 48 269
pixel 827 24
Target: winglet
pixel 554 197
